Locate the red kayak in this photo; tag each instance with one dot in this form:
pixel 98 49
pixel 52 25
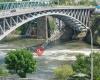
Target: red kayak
pixel 39 51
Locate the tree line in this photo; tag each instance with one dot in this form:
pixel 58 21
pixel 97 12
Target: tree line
pixel 75 2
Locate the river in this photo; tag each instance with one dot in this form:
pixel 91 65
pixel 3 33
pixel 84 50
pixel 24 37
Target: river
pixel 54 56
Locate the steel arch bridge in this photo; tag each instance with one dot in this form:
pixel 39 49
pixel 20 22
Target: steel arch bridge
pixel 13 16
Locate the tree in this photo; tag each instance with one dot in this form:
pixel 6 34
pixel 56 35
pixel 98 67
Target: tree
pixel 63 72
pixel 20 62
pixel 96 72
pixel 93 2
pixel 85 2
pixel 83 65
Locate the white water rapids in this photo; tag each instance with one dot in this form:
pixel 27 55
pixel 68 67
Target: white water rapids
pixel 51 58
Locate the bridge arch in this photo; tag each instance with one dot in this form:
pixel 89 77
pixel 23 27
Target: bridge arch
pixel 69 17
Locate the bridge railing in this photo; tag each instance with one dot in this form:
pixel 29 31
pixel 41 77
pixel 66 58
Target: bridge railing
pixel 23 4
pixel 28 4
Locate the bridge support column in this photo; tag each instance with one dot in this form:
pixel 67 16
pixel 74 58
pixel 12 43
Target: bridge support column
pixel 68 33
pixel 42 32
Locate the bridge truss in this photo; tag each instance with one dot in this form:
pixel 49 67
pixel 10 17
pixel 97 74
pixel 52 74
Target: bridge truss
pixel 15 14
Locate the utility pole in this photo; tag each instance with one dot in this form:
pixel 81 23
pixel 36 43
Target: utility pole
pixel 91 35
pixel 91 54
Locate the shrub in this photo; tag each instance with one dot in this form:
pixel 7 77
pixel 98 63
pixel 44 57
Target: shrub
pixel 83 65
pixel 63 72
pixel 20 62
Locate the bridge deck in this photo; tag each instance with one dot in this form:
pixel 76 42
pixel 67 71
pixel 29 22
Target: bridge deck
pixel 9 13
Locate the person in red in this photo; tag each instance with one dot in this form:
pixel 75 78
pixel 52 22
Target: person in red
pixel 39 51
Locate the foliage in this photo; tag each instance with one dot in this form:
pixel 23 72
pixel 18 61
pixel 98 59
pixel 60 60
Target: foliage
pixel 73 2
pixel 96 66
pixel 20 62
pixel 82 64
pixel 63 72
pixel 51 23
pixel 84 2
pixel 93 2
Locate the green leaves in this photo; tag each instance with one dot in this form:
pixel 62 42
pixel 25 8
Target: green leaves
pixel 20 61
pixel 78 2
pixel 63 72
pixel 83 65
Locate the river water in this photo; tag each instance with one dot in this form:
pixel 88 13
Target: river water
pixel 54 56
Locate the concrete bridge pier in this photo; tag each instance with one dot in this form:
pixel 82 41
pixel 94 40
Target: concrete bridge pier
pixel 42 28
